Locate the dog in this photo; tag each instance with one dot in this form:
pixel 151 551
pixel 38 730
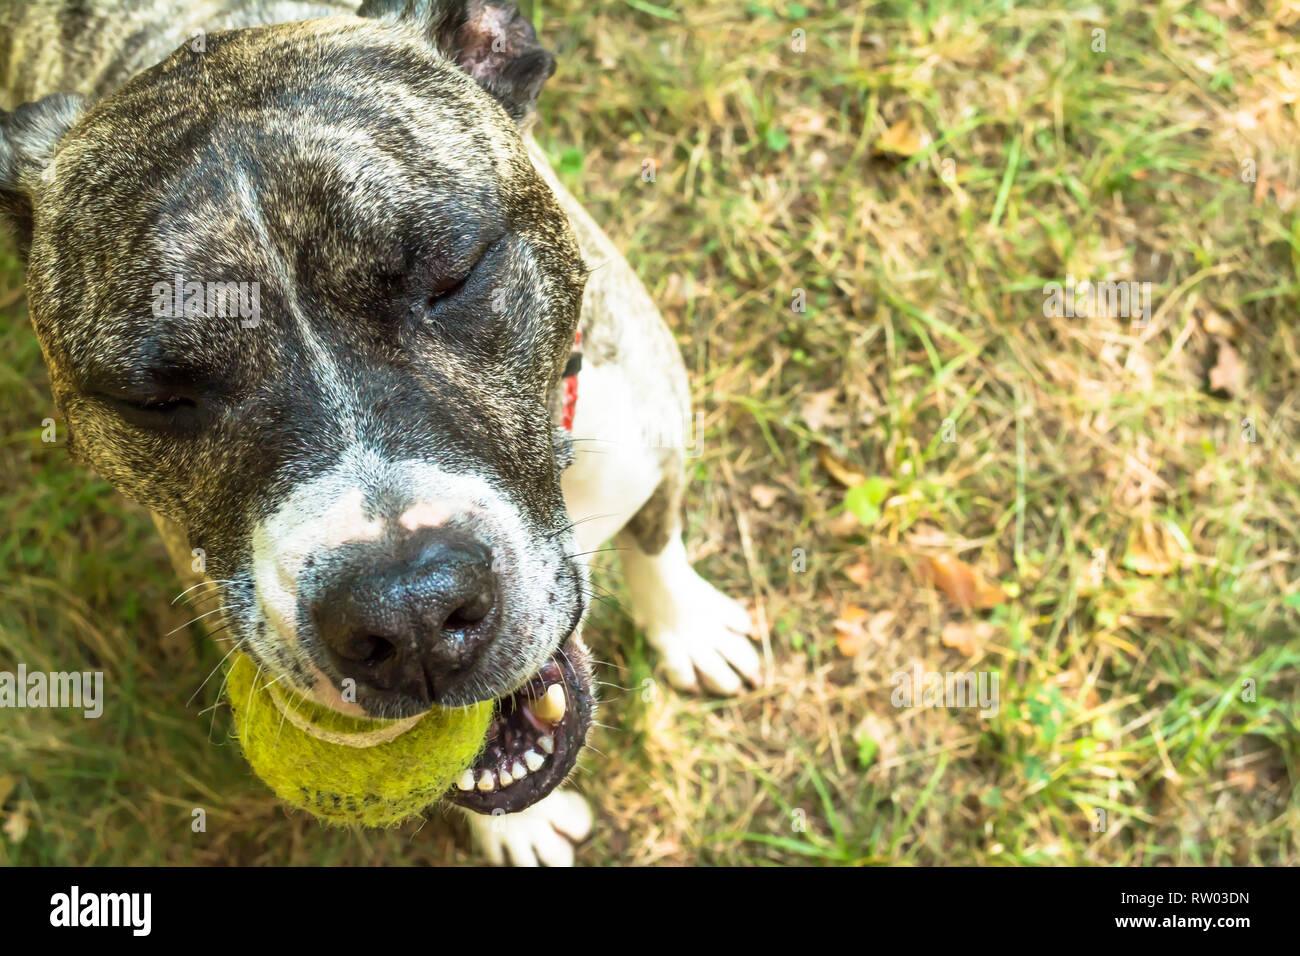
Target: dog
pixel 441 389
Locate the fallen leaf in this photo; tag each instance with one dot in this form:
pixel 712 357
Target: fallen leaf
pixel 859 573
pixel 1228 374
pixel 967 637
pixel 1215 324
pixel 16 826
pixel 904 138
pixel 817 412
pixel 1153 550
pixel 850 630
pixel 855 628
pixel 764 495
pixel 881 627
pixel 1242 780
pixel 846 474
pixel 844 524
pixel 962 583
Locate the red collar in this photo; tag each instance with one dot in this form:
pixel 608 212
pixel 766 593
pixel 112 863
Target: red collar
pixel 569 403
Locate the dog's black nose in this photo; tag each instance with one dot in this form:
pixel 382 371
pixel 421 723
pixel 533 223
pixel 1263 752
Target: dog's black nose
pixel 410 621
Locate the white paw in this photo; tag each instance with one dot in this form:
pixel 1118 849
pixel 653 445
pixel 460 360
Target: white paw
pixel 544 834
pixel 701 635
pixel 699 631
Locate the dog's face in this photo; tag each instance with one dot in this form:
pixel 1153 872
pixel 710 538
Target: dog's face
pixel 358 436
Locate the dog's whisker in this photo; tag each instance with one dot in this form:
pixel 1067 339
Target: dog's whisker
pixel 283 713
pixel 214 670
pixel 221 696
pixel 216 610
pixel 216 581
pixel 602 590
pixel 579 554
pixel 573 524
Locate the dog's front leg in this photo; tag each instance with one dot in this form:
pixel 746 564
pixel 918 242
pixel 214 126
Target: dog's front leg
pixel 702 635
pixel 626 482
pixel 544 834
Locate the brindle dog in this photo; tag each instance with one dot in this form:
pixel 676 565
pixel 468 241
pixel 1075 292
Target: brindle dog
pixel 365 456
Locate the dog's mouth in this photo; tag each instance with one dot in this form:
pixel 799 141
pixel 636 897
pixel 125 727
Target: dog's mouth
pixel 534 739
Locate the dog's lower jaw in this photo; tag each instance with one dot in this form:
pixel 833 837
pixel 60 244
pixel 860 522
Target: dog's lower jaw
pixel 536 737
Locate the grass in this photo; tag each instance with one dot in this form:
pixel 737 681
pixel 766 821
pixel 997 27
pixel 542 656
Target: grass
pixel 920 172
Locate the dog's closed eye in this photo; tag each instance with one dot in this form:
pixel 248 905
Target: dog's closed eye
pixel 443 289
pixel 160 403
pixel 160 409
pixel 446 290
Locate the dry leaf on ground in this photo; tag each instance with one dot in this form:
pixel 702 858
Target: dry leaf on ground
pixel 855 627
pixel 844 524
pixel 904 138
pixel 1153 550
pixel 851 630
pixel 1228 374
pixel 818 410
pixel 967 637
pixel 16 826
pixel 859 572
pixel 1242 780
pixel 962 583
pixel 846 474
pixel 1215 324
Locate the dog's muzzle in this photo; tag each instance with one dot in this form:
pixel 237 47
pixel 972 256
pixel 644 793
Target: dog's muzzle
pixel 413 623
pixel 410 622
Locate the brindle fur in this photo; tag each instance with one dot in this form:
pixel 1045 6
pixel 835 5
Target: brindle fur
pixel 350 163
pixel 345 163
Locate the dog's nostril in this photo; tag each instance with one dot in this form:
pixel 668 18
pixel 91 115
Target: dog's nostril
pixel 376 649
pixel 364 648
pixel 414 617
pixel 471 612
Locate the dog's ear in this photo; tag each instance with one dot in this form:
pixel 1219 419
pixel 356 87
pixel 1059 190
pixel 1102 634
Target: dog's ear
pixel 29 138
pixel 491 41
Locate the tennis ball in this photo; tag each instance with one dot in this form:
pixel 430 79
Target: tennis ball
pixel 349 769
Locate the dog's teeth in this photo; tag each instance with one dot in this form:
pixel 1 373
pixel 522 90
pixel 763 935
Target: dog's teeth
pixel 517 770
pixel 486 783
pixel 551 706
pixel 466 781
pixel 534 760
pixel 506 778
pixel 547 743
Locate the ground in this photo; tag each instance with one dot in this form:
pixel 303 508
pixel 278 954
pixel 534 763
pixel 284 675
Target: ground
pixel 907 457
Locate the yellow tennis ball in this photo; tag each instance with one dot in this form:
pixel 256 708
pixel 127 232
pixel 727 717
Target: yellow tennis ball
pixel 309 754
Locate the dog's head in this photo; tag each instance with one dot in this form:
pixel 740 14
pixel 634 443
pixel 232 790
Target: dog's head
pixel 302 294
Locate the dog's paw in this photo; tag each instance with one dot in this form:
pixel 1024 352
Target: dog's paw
pixel 544 834
pixel 703 640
